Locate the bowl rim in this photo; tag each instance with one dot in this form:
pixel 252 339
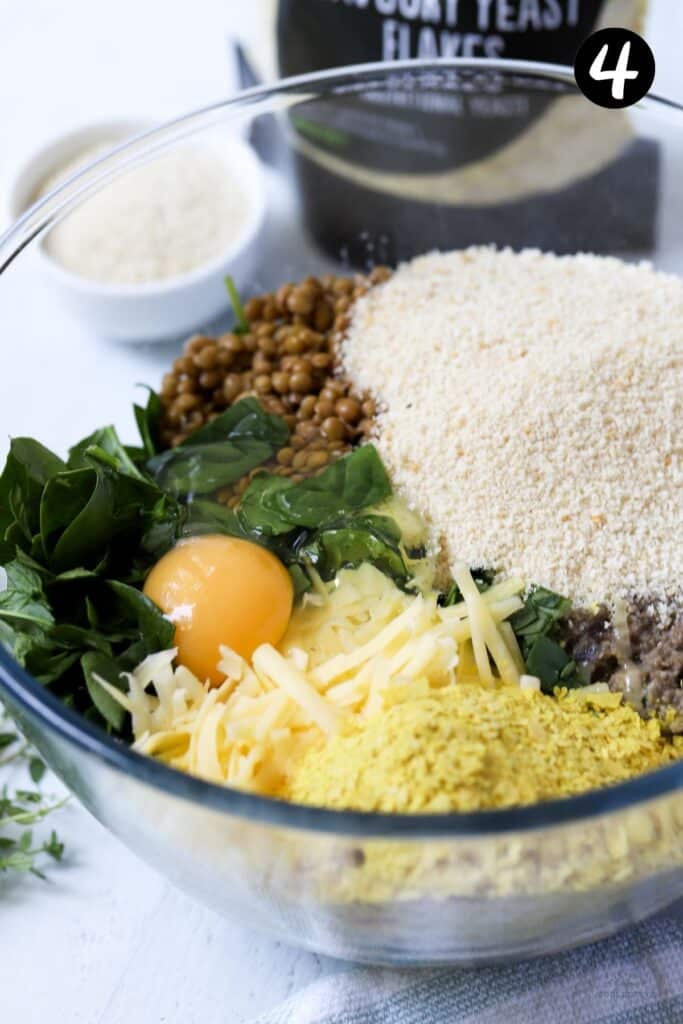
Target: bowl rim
pixel 40 705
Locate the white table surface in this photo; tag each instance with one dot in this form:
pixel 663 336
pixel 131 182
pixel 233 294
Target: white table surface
pixel 106 939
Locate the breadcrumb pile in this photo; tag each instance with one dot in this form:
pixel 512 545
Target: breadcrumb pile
pixel 531 409
pixel 468 748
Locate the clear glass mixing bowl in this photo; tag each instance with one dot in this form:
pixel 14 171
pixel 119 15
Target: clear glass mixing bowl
pixel 374 164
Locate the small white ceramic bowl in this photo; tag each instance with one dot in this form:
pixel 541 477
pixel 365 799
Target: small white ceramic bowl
pixel 152 311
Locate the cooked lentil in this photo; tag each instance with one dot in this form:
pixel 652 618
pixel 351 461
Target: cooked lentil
pixel 288 360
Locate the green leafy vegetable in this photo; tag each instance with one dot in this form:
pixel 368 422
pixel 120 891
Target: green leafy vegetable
pixel 28 468
pixel 321 522
pixel 536 626
pixel 272 505
pixel 483 579
pixel 103 446
pixel 70 526
pixel 241 322
pixel 148 420
pixel 552 665
pixel 95 666
pixel 221 452
pixel 542 610
pixel 210 517
pixel 24 600
pixel 349 543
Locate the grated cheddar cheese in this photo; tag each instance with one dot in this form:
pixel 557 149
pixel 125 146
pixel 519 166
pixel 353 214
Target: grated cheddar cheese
pixel 350 649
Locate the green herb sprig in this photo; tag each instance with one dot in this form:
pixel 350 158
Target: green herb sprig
pixel 22 809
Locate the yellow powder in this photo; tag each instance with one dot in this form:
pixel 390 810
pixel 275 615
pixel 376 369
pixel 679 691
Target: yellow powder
pixel 468 748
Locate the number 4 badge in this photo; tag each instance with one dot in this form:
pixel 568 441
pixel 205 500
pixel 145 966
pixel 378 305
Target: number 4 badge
pixel 614 68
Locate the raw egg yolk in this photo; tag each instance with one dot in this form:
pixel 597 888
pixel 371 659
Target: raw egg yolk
pixel 221 590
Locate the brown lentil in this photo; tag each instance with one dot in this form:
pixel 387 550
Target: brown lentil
pixel 286 360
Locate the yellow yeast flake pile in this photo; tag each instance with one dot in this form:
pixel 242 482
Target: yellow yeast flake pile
pixel 468 748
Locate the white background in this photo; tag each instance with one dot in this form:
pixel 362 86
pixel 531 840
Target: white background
pixel 106 939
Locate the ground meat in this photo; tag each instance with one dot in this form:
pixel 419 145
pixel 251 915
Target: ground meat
pixel 660 654
pixel 589 639
pixel 657 650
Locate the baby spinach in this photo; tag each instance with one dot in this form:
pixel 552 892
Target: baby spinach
pixel 245 419
pixel 148 420
pixel 65 528
pixel 272 504
pixel 23 600
pixel 348 543
pixel 542 610
pixel 94 665
pixel 536 626
pixel 28 467
pixel 552 665
pixel 221 452
pixel 211 517
pixel 206 468
pixel 103 446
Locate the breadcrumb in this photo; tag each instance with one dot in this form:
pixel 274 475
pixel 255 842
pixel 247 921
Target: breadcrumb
pixel 531 408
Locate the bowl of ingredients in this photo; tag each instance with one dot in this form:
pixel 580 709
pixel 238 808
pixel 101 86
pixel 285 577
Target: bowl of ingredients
pixel 146 257
pixel 364 619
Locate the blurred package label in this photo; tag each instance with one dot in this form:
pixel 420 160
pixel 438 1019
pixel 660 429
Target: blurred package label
pixel 292 37
pixel 461 158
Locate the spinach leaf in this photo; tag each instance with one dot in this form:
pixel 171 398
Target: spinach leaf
pixel 245 419
pixel 348 544
pixel 65 526
pixel 357 481
pixel 148 420
pixel 23 600
pixel 65 499
pixel 210 517
pixel 28 467
pixel 272 505
pixel 93 665
pixel 103 446
pixel 46 660
pixel 7 635
pixel 205 468
pixel 552 665
pixel 220 452
pixel 535 626
pixel 163 524
pixel 538 618
pixel 83 510
pixel 259 512
pixel 132 605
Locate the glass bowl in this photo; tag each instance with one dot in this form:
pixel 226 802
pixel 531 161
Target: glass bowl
pixel 374 164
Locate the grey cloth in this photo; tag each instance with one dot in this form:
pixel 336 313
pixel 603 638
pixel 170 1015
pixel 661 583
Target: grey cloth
pixel 635 977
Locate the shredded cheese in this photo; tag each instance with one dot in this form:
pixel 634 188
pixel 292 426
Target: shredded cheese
pixel 357 649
